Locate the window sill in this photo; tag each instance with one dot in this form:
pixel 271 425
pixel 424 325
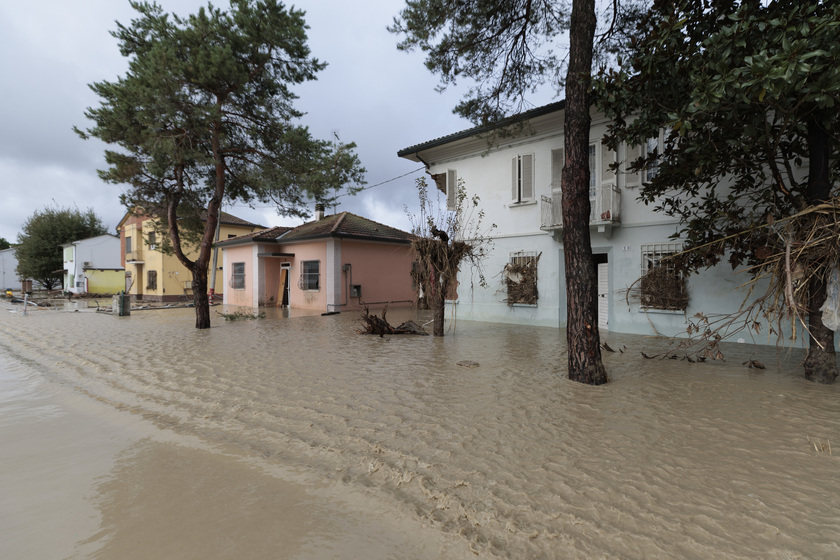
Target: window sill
pixel 523 203
pixel 662 311
pixel 527 305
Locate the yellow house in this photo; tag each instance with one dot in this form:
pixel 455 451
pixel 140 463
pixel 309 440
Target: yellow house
pixel 153 275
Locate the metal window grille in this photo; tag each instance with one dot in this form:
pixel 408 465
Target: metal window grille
pixel 237 279
pixel 662 284
pixel 654 253
pixel 151 280
pixel 521 278
pixel 310 275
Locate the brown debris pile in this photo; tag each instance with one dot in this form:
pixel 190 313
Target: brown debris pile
pixel 661 288
pixel 379 325
pixel 521 282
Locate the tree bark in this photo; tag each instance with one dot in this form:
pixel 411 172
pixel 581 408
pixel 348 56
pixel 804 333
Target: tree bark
pixel 439 304
pixel 583 339
pixel 820 365
pixel 202 302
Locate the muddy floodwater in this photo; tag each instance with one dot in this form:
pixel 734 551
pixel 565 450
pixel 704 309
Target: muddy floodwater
pixel 293 437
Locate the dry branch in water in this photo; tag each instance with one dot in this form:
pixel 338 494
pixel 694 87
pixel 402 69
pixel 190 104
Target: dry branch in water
pixel 381 326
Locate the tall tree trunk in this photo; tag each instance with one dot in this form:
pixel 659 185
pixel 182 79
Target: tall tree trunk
pixel 439 304
pixel 202 302
pixel 584 342
pixel 820 365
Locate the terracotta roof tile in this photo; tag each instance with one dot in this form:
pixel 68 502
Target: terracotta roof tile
pixel 346 224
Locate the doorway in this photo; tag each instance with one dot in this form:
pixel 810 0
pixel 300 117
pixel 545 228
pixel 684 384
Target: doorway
pixel 603 268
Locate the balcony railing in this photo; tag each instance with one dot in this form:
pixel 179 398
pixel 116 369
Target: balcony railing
pixel 135 255
pixel 605 209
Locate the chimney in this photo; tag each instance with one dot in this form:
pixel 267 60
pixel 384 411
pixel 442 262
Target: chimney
pixel 319 211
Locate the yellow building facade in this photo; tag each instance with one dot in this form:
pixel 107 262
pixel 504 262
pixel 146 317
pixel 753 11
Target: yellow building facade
pixel 152 275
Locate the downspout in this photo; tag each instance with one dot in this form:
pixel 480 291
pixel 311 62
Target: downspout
pixel 212 291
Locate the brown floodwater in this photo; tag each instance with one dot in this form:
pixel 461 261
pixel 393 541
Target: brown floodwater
pixel 296 437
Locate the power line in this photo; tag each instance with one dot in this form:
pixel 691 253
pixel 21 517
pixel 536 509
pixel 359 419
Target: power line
pixel 358 191
pixel 384 182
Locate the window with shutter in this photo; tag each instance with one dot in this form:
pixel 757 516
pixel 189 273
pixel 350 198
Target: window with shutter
pixel 632 179
pixel 558 160
pixel 607 162
pixel 522 178
pixel 451 189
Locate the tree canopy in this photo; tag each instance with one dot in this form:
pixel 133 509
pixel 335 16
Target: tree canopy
pixel 205 115
pixel 4 244
pixel 747 95
pixel 39 252
pixel 506 50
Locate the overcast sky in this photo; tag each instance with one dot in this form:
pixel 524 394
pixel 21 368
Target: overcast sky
pixel 371 94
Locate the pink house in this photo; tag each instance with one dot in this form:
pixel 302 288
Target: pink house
pixel 334 263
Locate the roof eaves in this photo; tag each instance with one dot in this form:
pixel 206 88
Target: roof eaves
pixel 482 129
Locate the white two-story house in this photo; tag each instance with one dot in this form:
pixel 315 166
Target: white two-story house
pixel 93 265
pixel 517 177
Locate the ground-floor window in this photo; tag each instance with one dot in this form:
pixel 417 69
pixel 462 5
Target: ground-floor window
pixel 520 277
pixel 662 285
pixel 310 275
pixel 151 280
pixel 237 279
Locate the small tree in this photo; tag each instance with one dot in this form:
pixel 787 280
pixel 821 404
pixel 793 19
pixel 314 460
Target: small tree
pixel 205 115
pixel 4 244
pixel 446 240
pixel 39 251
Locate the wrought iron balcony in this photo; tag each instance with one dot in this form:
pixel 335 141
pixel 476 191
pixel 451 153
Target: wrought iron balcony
pixel 604 214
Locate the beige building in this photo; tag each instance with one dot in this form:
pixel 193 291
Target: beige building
pixel 150 274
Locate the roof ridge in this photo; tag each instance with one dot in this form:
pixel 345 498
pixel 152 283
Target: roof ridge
pixel 338 222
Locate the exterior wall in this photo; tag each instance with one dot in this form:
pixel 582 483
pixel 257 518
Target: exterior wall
pixel 247 296
pixel 308 251
pixel 488 174
pixel 82 257
pixel 9 279
pixel 104 281
pixel 174 280
pixel 383 270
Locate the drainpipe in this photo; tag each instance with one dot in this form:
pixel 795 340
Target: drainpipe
pixel 212 291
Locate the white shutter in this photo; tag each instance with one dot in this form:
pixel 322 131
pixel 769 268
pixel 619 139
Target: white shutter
pixel 558 160
pixel 451 189
pixel 632 179
pixel 607 159
pixel 527 177
pixel 514 190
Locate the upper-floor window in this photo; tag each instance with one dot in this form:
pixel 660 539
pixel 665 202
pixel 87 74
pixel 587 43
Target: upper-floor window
pixel 128 244
pixel 152 238
pixel 522 178
pixel 558 160
pixel 237 279
pixel 310 275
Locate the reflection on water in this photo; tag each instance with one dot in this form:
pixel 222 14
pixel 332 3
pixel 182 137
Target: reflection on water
pixel 671 459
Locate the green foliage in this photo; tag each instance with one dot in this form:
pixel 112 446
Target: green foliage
pixel 4 244
pixel 748 94
pixel 39 252
pixel 206 112
pixel 508 49
pixel 205 115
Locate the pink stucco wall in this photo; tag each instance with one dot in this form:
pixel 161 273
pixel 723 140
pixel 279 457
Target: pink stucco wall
pixel 232 255
pixel 312 251
pixel 383 270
